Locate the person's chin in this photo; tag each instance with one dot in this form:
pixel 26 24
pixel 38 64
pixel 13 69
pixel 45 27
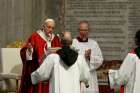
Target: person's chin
pixel 84 38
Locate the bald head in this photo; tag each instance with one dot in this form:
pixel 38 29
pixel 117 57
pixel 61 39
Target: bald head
pixel 67 35
pixel 66 39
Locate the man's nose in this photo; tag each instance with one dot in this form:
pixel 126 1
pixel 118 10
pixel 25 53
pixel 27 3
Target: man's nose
pixel 51 29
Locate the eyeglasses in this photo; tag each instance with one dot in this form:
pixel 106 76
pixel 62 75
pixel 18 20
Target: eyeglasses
pixel 83 29
pixel 50 27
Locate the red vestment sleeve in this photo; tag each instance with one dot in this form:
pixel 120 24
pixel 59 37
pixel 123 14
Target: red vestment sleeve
pixel 122 89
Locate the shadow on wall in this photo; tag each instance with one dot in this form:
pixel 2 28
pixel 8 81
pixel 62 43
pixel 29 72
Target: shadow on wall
pixel 10 85
pixel 10 65
pixel 0 61
pixel 17 69
pixel 0 71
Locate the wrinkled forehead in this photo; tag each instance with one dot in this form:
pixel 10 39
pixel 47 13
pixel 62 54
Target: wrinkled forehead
pixel 83 26
pixel 49 23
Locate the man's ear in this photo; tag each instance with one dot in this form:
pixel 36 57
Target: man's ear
pixel 43 26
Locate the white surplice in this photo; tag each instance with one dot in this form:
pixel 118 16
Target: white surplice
pixel 128 75
pixel 95 62
pixel 63 79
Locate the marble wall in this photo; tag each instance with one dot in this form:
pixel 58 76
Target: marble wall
pixel 19 18
pixel 113 23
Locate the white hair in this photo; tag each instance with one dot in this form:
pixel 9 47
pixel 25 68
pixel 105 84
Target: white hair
pixel 49 20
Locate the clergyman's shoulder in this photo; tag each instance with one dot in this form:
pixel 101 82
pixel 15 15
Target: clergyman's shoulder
pixel 92 41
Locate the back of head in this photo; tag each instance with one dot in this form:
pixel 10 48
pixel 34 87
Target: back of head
pixel 68 55
pixel 66 39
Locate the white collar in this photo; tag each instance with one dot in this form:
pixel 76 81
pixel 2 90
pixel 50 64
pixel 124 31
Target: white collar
pixel 43 36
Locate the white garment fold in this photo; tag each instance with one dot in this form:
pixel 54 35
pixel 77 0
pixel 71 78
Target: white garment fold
pixel 63 79
pixel 95 62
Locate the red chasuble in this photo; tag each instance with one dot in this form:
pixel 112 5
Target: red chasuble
pixel 38 44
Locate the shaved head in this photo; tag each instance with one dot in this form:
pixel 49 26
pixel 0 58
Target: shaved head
pixel 67 35
pixel 66 39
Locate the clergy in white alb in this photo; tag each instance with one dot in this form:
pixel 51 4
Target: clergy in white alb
pixel 89 48
pixel 129 73
pixel 65 70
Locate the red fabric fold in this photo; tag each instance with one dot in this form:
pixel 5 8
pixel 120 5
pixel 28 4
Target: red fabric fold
pixel 122 89
pixel 29 66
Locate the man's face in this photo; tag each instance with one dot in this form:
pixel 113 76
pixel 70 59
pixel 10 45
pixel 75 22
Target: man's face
pixel 48 27
pixel 83 30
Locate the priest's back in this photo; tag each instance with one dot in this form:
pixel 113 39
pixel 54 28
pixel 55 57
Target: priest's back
pixel 63 78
